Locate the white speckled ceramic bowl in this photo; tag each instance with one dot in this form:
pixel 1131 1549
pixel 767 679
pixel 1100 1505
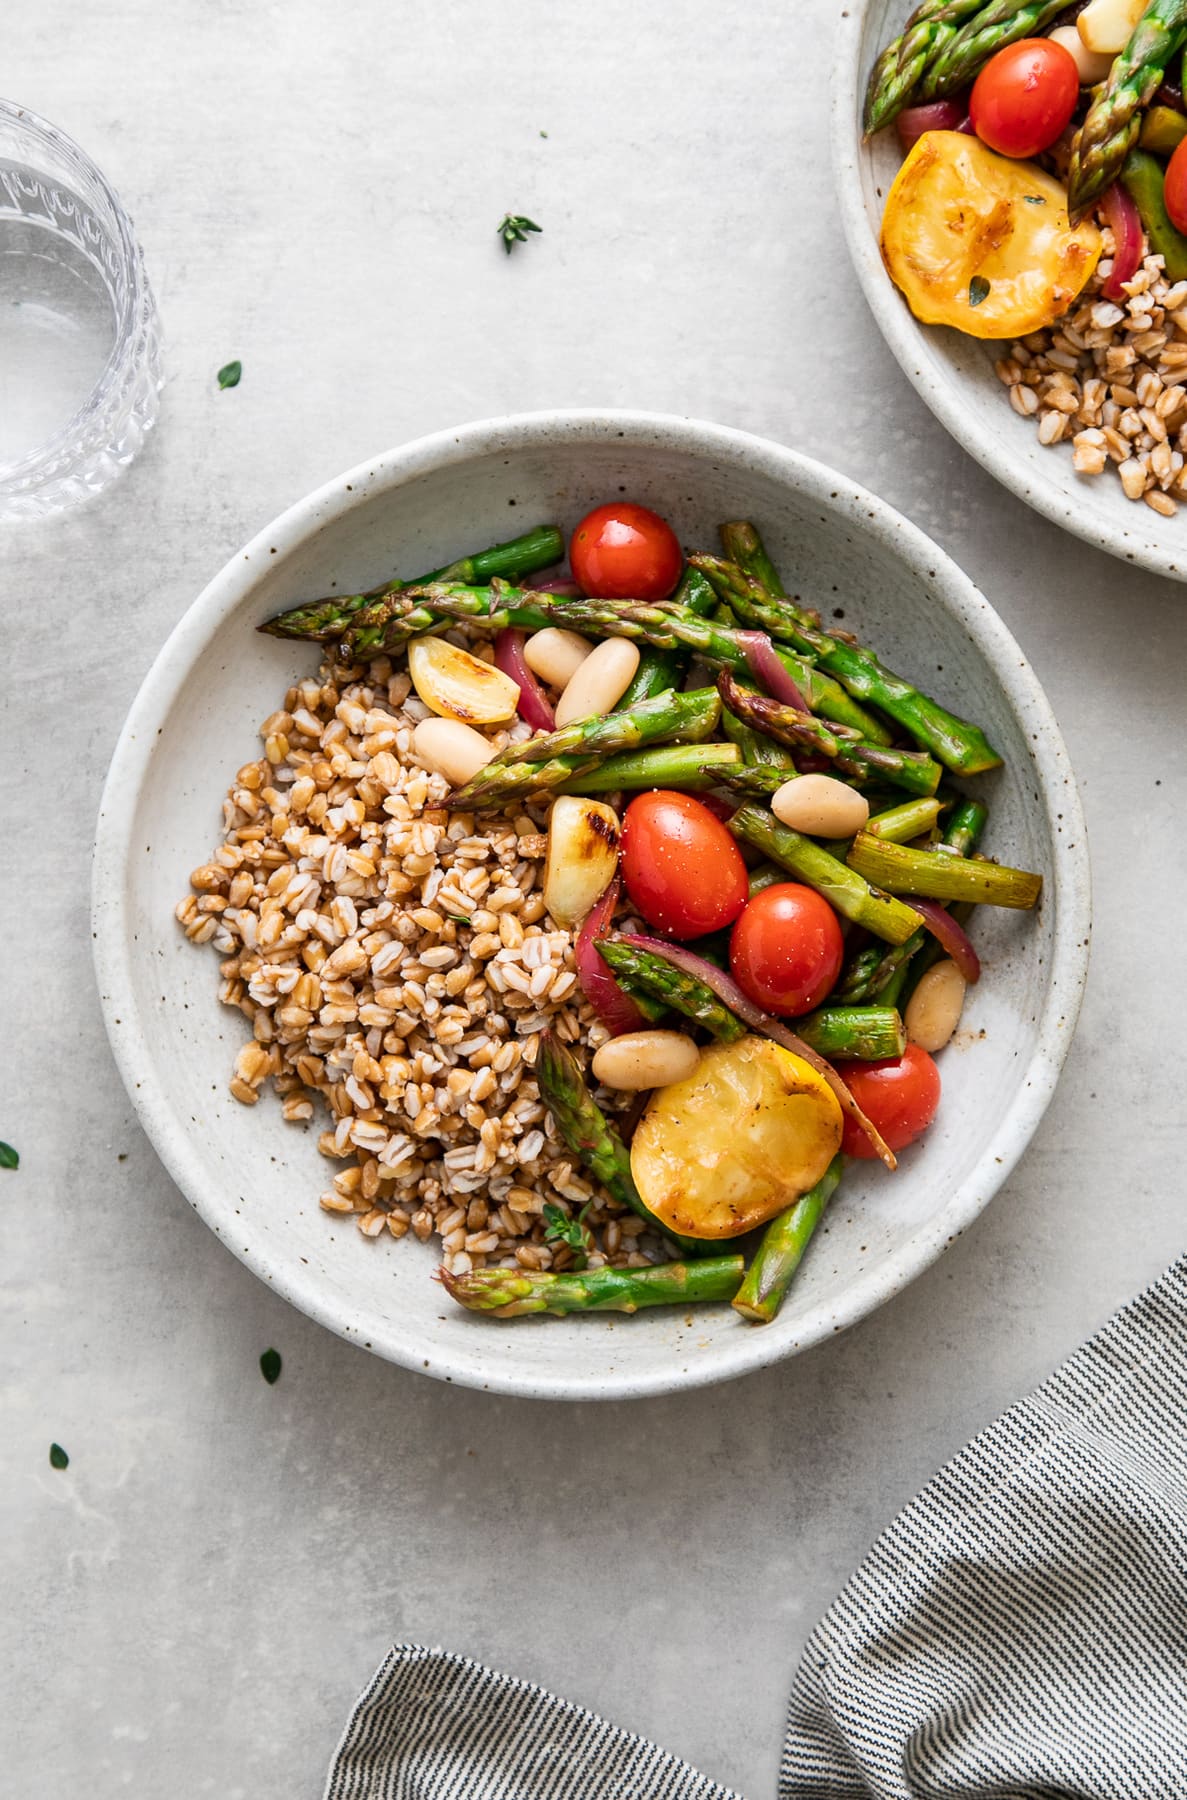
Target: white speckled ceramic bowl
pixel 255 1180
pixel 952 373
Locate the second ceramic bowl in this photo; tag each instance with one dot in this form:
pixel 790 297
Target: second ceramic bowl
pixel 952 373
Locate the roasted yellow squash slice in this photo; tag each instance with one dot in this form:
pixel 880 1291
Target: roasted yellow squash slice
pixel 980 242
pixel 750 1130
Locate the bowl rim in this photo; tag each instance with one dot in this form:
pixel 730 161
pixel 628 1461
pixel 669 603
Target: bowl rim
pixel 1068 881
pixel 902 333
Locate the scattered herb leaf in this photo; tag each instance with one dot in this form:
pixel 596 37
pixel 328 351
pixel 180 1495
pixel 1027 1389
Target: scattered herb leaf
pixel 978 289
pixel 58 1458
pixel 1035 199
pixel 228 375
pixel 270 1366
pixel 514 230
pixel 560 1229
pixel 543 134
pixel 9 1159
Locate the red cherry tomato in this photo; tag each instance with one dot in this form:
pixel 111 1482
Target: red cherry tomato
pixel 682 869
pixel 900 1097
pixel 1024 97
pixel 786 949
pixel 1174 189
pixel 624 552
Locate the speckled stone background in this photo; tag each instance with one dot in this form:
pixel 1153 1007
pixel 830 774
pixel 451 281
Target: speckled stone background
pixel 190 1608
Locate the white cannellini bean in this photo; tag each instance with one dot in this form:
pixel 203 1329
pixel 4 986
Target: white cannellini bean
pixel 1093 65
pixel 821 806
pixel 645 1059
pixel 452 749
pixel 556 655
pixel 600 682
pixel 934 1009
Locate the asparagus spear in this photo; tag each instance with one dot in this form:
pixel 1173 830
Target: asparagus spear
pixel 687 718
pixel 880 913
pixel 324 620
pixel 591 1136
pixel 692 767
pixel 660 669
pixel 963 55
pixel 743 545
pixel 859 977
pixel 854 1033
pixel 782 1248
pixel 544 762
pixel 417 610
pixel 765 876
pixel 910 769
pixel 900 68
pixel 514 1293
pixel 858 1033
pixel 965 827
pixel 882 976
pixel 957 744
pixel 758 752
pixel 666 626
pixel 1114 118
pixel 641 972
pixel 899 824
pixel 393 621
pixel 756 779
pixel 756 749
pixel 933 875
pixel 961 838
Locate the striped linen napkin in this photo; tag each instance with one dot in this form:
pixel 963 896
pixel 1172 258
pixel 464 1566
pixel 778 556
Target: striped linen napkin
pixel 1019 1632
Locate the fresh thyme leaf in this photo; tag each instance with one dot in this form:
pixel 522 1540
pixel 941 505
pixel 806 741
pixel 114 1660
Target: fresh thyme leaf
pixel 58 1458
pixel 270 1366
pixel 1035 199
pixel 228 375
pixel 9 1159
pixel 575 1233
pixel 978 289
pixel 514 229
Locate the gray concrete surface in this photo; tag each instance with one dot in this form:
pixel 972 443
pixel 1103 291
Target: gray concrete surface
pixel 191 1607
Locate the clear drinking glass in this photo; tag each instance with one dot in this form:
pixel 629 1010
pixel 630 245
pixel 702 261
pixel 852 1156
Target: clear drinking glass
pixel 80 351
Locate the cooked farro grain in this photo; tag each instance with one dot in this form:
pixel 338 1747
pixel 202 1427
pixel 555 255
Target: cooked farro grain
pixel 397 966
pixel 1111 379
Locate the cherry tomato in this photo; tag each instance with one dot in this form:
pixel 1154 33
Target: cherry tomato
pixel 682 869
pixel 1174 189
pixel 900 1097
pixel 624 552
pixel 786 949
pixel 1024 97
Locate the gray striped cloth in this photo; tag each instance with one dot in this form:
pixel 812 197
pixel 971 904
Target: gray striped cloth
pixel 1020 1631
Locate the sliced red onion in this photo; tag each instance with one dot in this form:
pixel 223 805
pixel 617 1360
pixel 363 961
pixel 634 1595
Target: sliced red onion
pixel 1129 240
pixel 720 808
pixel 534 708
pixel 937 115
pixel 727 989
pixel 765 664
pixel 612 1003
pixel 951 936
pixel 561 585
